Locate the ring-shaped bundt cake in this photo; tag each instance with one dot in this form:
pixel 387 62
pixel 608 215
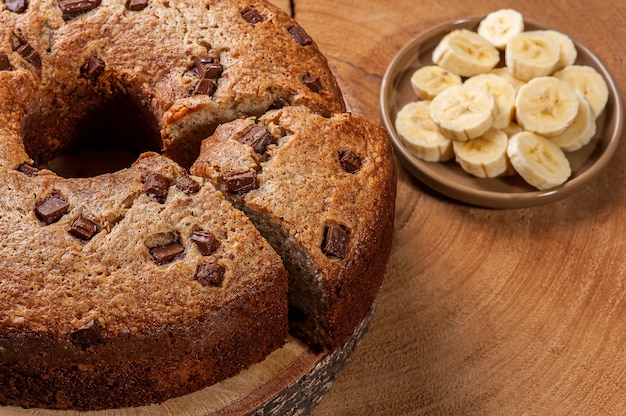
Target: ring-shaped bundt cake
pixel 160 278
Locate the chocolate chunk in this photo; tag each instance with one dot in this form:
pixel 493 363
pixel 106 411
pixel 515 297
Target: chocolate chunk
pixel 300 36
pixel 258 138
pixel 88 335
pixel 349 161
pixel 210 274
pixel 241 183
pixel 336 241
pixel 312 82
pixel 205 86
pixel 72 8
pixel 252 16
pixel 5 65
pixel 136 5
pixel 206 242
pixel 83 228
pixel 156 186
pixel 28 170
pixel 16 6
pixel 187 185
pixel 51 210
pixel 92 68
pixel 208 68
pixel 30 55
pixel 167 253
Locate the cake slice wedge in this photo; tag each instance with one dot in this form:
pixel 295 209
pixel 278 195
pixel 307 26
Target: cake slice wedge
pixel 322 191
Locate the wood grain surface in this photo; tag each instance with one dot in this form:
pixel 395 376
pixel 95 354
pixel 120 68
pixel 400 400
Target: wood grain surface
pixel 487 312
pixel 482 311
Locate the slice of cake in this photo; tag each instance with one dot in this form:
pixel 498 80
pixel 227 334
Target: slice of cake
pixel 321 191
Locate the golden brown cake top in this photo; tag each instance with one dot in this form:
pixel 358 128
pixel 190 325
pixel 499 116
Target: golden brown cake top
pixel 190 64
pixel 141 248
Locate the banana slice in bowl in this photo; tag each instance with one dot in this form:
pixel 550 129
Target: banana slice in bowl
pixel 546 106
pixel 507 191
pixel 539 161
pixel 499 26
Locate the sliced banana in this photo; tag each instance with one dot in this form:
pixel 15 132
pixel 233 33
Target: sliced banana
pixel 589 82
pixel 463 112
pixel 430 80
pixel 568 52
pixel 504 72
pixel 539 161
pixel 499 26
pixel 504 94
pixel 484 156
pixel 421 134
pixel 531 54
pixel 465 53
pixel 581 131
pixel 504 118
pixel 546 106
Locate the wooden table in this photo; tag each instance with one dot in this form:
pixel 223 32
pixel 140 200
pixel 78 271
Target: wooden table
pixel 490 312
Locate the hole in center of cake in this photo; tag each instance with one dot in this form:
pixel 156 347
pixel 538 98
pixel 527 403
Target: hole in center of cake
pixel 109 137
